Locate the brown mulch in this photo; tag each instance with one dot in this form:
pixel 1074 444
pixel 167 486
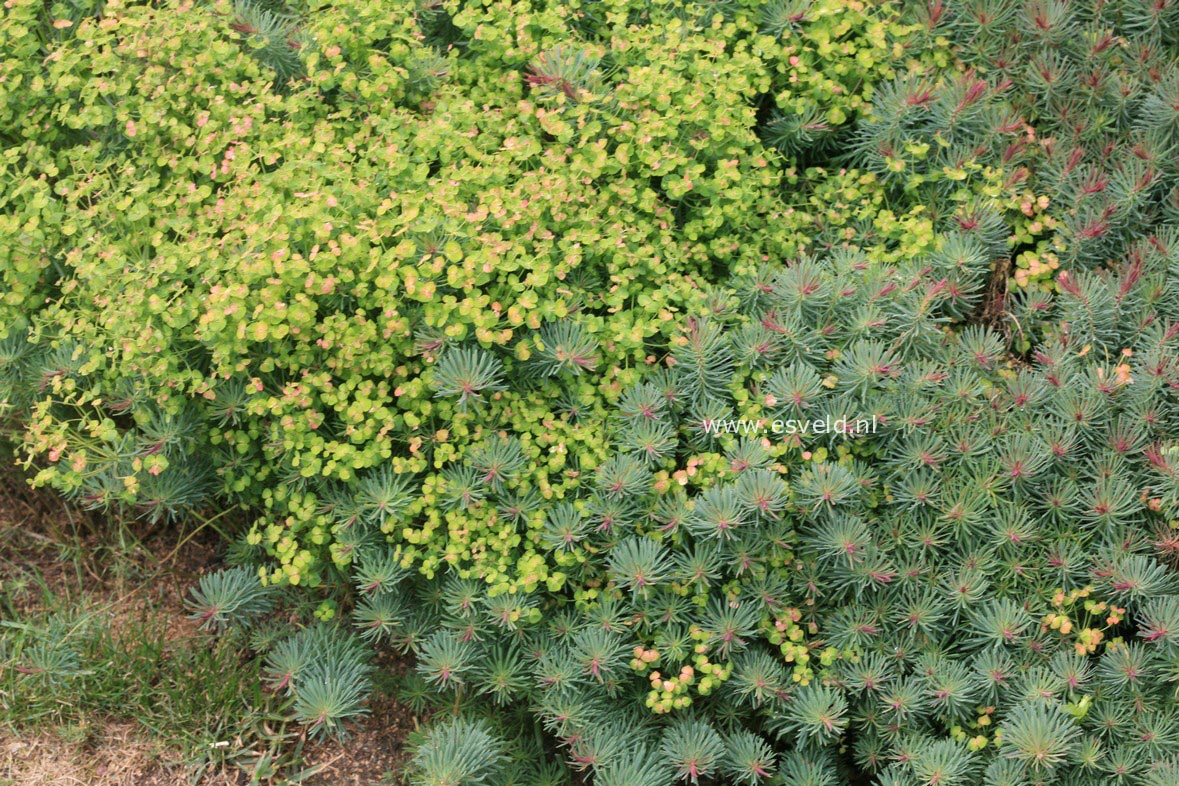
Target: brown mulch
pixel 993 309
pixel 373 753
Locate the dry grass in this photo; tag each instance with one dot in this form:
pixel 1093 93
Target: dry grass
pixel 120 755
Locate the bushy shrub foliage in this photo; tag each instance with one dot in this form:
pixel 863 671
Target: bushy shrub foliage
pixel 216 287
pixel 523 329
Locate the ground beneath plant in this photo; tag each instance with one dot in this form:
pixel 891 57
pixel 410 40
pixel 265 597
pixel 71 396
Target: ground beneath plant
pixel 47 544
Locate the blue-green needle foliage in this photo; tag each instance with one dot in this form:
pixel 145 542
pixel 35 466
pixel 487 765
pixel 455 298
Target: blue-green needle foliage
pixel 968 593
